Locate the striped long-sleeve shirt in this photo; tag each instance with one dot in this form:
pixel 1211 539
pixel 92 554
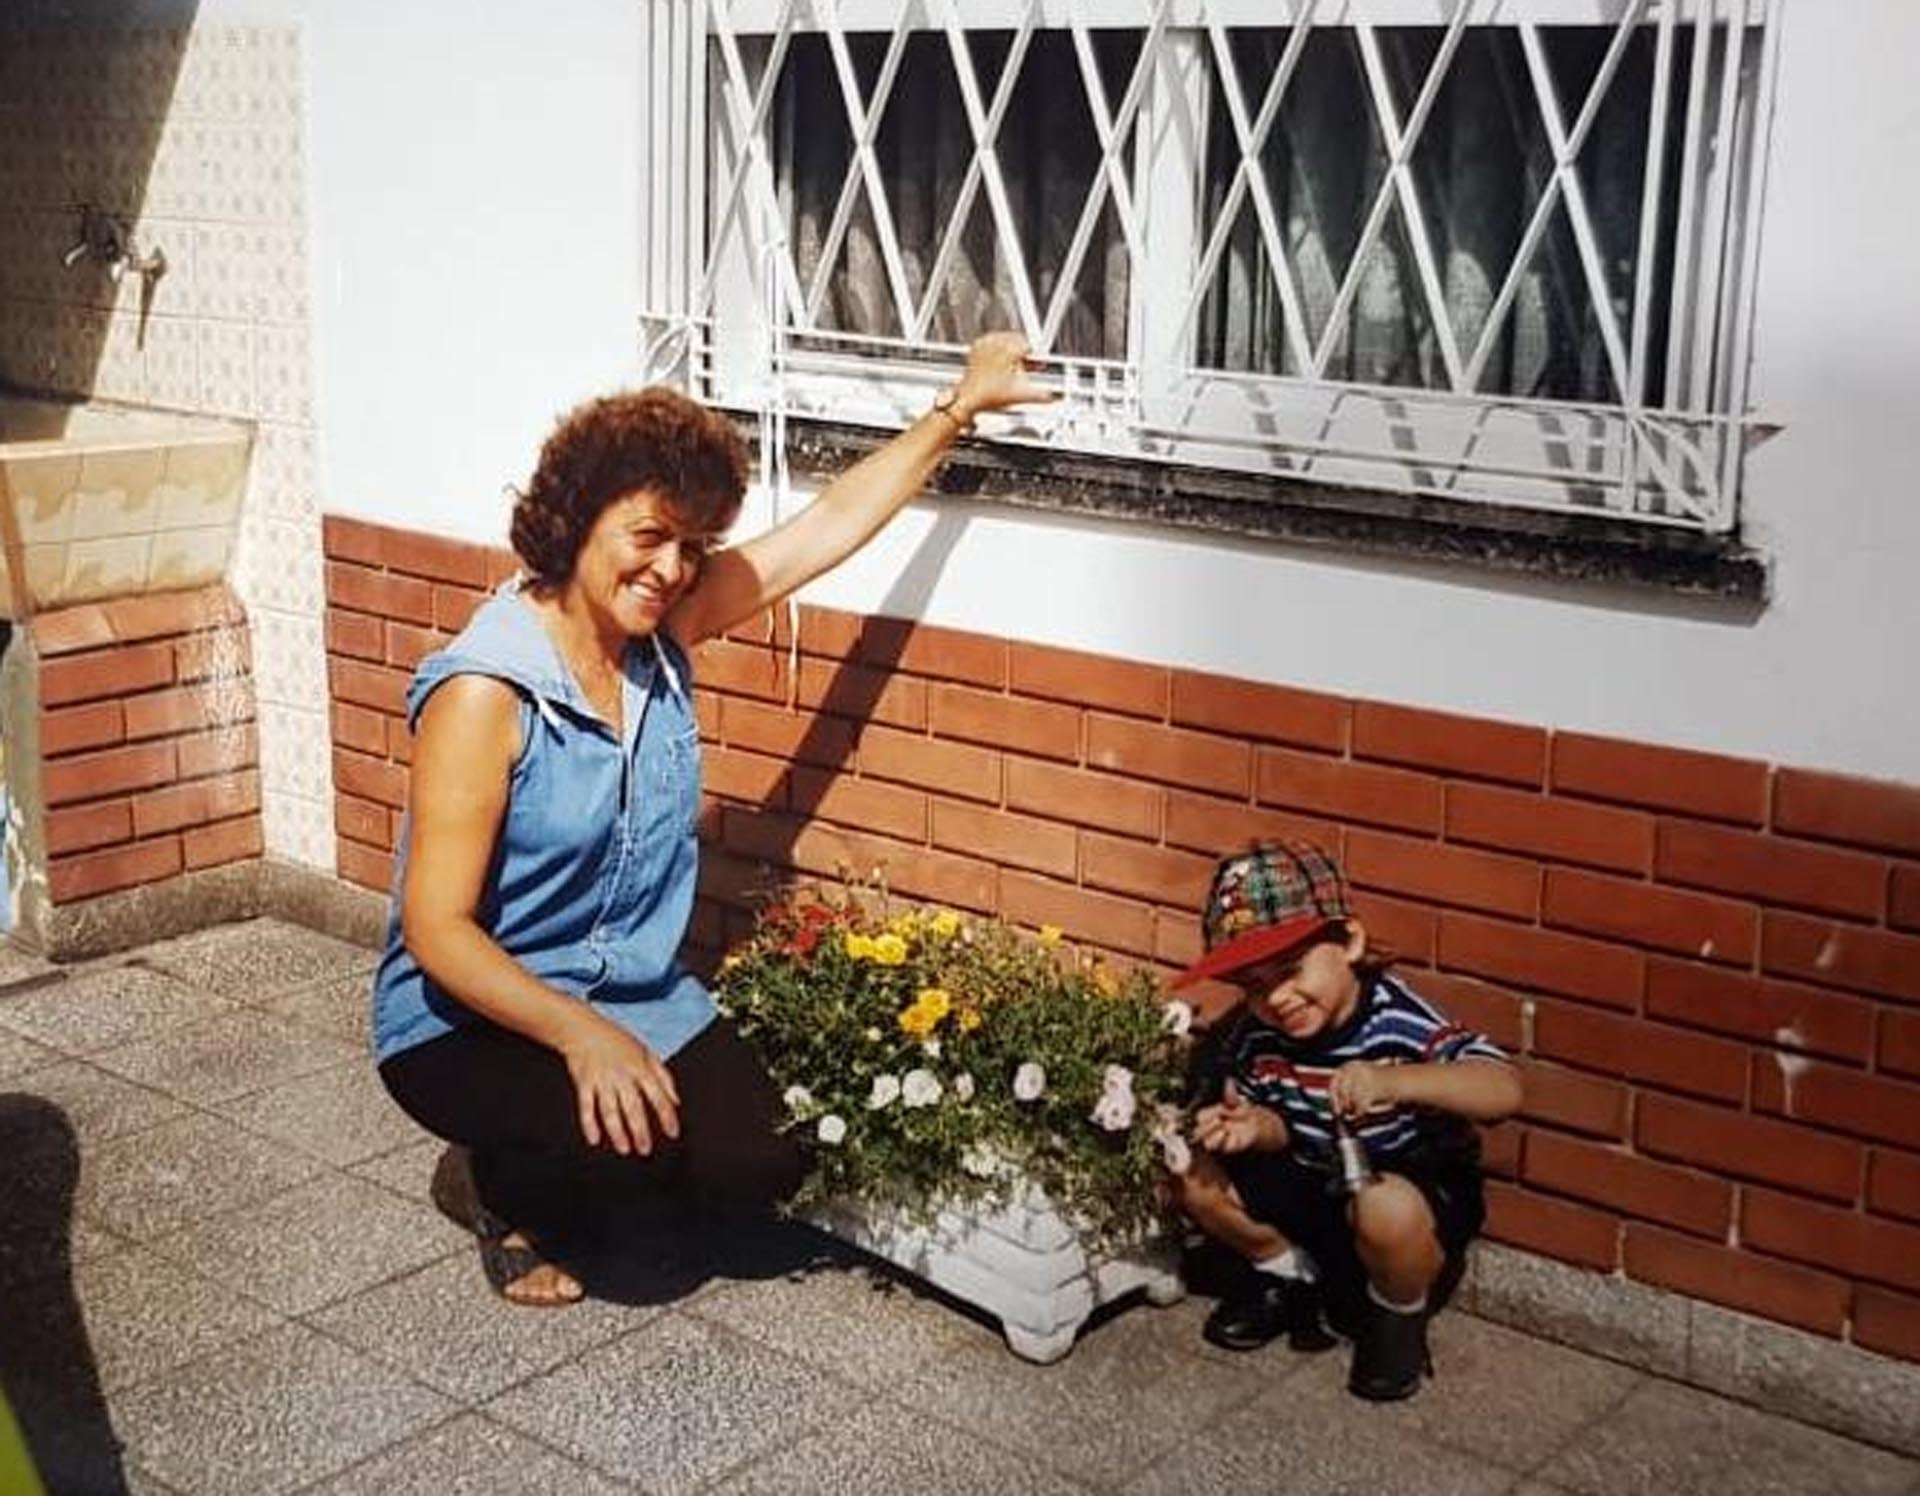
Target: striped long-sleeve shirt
pixel 1391 1025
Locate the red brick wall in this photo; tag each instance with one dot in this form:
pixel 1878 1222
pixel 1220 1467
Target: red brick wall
pixel 1643 925
pixel 147 769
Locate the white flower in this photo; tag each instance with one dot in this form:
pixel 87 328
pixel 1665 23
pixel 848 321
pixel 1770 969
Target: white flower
pixel 1029 1082
pixel 798 1099
pixel 1117 1079
pixel 832 1130
pixel 979 1161
pixel 886 1090
pixel 930 1048
pixel 1176 1018
pixel 920 1088
pixel 1114 1110
pixel 1175 1153
pixel 871 1034
pixel 963 1087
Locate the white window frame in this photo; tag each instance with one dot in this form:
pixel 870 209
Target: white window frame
pixel 727 314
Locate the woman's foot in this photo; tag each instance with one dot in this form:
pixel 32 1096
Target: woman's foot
pixel 520 1275
pixel 512 1263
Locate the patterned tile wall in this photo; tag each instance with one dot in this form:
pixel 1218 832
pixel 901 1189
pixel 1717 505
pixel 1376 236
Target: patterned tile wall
pixel 193 137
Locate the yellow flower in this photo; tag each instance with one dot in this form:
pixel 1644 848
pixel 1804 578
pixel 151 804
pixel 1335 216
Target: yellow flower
pixel 858 946
pixel 935 1001
pixel 905 924
pixel 1105 980
pixel 888 949
pixel 969 1020
pixel 732 959
pixel 916 1021
pixel 1050 934
pixel 945 923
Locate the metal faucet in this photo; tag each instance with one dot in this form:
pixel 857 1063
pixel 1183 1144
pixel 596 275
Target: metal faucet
pixel 108 240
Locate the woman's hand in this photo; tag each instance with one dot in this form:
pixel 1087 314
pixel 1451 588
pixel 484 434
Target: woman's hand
pixel 1363 1087
pixel 1236 1125
pixel 618 1081
pixel 999 374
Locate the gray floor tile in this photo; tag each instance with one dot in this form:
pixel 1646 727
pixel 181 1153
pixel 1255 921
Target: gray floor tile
pixel 17 967
pixel 259 959
pixel 29 1251
pixel 20 1056
pixel 1673 1440
pixel 1130 1390
pixel 342 1006
pixel 132 1314
pixel 1495 1395
pixel 278 1411
pixel 228 1056
pixel 471 1456
pixel 315 1243
pixel 886 1448
pixel 863 1326
pixel 98 1107
pixel 161 1180
pixel 1284 1440
pixel 675 1404
pixel 342 1114
pixel 445 1327
pixel 104 1007
pixel 406 1171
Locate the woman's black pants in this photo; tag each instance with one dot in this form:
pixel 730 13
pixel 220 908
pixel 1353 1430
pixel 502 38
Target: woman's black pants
pixel 511 1102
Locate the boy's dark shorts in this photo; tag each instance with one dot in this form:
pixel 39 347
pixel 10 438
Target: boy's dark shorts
pixel 1297 1201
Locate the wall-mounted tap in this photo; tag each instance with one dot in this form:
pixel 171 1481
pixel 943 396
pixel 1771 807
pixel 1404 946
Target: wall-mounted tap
pixel 108 241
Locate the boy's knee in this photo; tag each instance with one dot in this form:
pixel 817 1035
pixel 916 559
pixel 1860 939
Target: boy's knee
pixel 1390 1213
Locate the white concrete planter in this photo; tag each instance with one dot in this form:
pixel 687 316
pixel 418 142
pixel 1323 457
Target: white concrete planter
pixel 1019 1260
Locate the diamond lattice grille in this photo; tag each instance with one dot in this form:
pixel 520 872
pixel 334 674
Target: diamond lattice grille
pixel 1481 248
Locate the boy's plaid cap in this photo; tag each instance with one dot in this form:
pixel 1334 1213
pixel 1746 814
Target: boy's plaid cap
pixel 1264 902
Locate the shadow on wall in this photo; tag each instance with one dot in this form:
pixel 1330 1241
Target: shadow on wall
pixel 85 90
pixel 47 1367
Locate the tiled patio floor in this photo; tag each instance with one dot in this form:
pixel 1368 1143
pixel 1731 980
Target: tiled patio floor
pixel 219 1274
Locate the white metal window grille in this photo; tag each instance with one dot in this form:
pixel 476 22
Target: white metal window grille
pixel 1494 250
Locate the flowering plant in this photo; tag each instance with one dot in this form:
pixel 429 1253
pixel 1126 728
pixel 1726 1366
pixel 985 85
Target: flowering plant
pixel 925 1055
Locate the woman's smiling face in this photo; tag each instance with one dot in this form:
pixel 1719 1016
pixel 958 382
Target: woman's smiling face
pixel 637 561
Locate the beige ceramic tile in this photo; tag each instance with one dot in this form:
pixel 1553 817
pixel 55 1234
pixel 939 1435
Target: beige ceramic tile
pixel 189 558
pixel 44 572
pixel 202 483
pixel 115 495
pixel 42 491
pixel 103 568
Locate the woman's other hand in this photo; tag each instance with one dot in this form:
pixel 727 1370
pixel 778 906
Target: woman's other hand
pixel 999 374
pixel 624 1092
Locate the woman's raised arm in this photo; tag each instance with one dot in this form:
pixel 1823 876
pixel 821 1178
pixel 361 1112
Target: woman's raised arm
pixel 740 581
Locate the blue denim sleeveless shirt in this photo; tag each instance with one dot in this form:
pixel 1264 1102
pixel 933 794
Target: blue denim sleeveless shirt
pixel 592 880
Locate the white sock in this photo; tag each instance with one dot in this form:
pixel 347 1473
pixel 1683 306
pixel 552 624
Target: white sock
pixel 1414 1306
pixel 1292 1263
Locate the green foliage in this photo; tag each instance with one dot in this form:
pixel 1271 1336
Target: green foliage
pixel 898 1033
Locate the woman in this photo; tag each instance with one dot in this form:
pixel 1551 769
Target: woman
pixel 530 1006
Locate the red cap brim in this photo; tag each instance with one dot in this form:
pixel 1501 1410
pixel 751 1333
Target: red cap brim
pixel 1262 943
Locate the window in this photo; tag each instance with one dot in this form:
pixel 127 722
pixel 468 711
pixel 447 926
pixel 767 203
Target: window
pixel 1485 250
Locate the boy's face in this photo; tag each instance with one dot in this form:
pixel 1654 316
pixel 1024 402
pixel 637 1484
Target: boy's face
pixel 1309 990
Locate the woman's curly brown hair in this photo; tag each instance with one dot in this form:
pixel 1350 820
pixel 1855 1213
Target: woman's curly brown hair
pixel 655 439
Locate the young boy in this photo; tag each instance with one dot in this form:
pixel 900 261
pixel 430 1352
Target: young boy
pixel 1327 1042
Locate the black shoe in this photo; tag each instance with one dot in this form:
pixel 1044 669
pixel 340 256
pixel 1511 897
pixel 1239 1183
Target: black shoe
pixel 1390 1356
pixel 1268 1309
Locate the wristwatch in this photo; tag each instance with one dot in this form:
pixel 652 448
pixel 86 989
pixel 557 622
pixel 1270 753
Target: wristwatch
pixel 947 402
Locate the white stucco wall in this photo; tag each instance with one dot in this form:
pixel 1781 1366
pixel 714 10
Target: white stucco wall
pixel 475 259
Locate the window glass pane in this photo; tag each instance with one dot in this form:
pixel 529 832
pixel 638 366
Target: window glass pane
pixel 1480 167
pixel 1048 152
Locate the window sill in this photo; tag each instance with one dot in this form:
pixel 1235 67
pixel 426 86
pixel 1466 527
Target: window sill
pixel 1357 521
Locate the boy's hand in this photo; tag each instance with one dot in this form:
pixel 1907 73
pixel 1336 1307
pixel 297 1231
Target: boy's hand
pixel 1236 1125
pixel 1363 1087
